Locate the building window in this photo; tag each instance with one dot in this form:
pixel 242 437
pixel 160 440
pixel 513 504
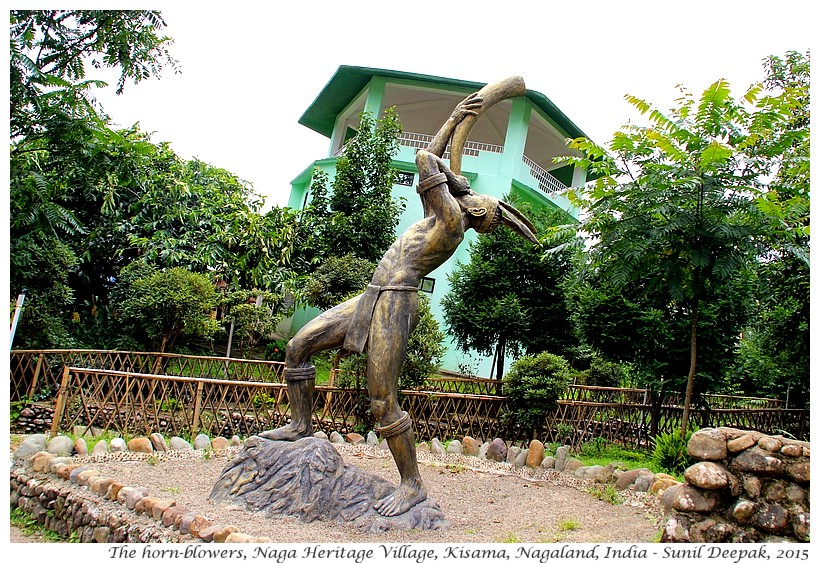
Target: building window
pixel 427 285
pixel 404 178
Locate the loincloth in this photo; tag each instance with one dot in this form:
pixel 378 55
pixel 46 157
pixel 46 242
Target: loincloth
pixel 359 330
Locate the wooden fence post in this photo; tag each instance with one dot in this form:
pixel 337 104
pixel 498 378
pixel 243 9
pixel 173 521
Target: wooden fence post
pixel 60 406
pixel 197 408
pixel 34 381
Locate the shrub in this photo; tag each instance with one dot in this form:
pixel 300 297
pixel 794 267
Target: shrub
pixel 275 351
pixel 670 451
pixel 532 388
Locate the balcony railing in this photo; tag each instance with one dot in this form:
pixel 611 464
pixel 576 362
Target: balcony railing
pixel 546 181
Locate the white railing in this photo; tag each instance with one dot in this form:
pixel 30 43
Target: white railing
pixel 546 181
pixel 422 141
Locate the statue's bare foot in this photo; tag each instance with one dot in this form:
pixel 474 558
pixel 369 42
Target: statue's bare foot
pixel 401 500
pixel 289 433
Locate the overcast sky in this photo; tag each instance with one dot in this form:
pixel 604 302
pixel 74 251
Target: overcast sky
pixel 250 69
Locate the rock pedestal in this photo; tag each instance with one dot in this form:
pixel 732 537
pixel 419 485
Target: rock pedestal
pixel 307 479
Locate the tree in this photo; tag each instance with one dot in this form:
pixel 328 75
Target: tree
pixel 337 279
pixel 532 389
pixel 508 298
pixel 673 208
pixel 359 215
pixel 157 307
pixel 57 185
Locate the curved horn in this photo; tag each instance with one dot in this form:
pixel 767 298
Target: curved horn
pixel 492 94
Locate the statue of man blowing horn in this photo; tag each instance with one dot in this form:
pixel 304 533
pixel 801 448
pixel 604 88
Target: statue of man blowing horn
pixel 381 319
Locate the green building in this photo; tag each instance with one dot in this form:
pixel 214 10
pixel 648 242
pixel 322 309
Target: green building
pixel 510 150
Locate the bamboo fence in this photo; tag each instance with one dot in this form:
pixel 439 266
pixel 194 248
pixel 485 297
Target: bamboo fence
pixel 139 393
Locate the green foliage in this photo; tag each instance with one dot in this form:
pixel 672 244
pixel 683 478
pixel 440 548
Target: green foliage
pixel 607 493
pixel 160 306
pixel 336 279
pixel 358 216
pixel 275 351
pixel 425 349
pixel 508 298
pixel 252 315
pixel 602 373
pixel 532 388
pixel 670 451
pixel 677 213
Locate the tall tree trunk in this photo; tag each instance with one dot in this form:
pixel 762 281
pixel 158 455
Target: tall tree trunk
pixel 499 358
pixel 690 380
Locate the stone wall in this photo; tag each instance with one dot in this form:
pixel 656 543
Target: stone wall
pixel 745 487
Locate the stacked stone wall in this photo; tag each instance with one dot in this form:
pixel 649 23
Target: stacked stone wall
pixel 744 487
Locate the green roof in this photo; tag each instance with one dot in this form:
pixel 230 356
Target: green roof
pixel 349 81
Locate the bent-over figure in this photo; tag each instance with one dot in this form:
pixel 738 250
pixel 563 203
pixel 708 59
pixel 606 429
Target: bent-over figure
pixel 381 319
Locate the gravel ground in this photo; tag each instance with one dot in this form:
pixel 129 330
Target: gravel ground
pixel 483 501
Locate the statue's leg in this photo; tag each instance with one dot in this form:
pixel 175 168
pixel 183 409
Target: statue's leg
pixel 394 317
pixel 322 333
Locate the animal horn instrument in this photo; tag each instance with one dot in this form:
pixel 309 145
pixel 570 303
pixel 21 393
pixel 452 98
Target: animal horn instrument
pixel 492 94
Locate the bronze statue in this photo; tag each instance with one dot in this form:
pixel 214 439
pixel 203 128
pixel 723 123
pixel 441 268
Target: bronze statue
pixel 381 319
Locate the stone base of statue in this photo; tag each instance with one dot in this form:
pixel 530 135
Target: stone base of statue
pixel 307 479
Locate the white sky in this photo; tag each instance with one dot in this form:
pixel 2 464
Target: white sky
pixel 249 71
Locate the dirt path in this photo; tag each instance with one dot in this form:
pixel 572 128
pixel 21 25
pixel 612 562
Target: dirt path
pixel 482 502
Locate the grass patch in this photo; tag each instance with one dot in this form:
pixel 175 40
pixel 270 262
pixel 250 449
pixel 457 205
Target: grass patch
pixel 606 493
pixel 568 524
pixel 30 527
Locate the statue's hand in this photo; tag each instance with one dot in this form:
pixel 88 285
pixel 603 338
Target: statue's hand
pixel 468 106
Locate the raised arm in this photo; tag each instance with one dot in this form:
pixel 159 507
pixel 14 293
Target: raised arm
pixel 468 106
pixel 437 187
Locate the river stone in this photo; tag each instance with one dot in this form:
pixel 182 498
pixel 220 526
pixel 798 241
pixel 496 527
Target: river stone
pixel 627 478
pixel 792 450
pixel 572 465
pixel 676 530
pixel 741 443
pixel 548 463
pixel 756 460
pixel 30 446
pixel 799 472
pixel 318 434
pixel 435 447
pixel 313 483
pixel 742 510
pixel 336 438
pixel 707 475
pixel 521 459
pixel 371 439
pixel 423 447
pixel 710 531
pixel 643 482
pixel 80 447
pixel 769 444
pixel 512 453
pixel 118 445
pixel 455 447
pixel 60 446
pixel 497 451
pixel 801 524
pixel 770 518
pixel 236 440
pixel 752 485
pixel 561 454
pixel 708 444
pixel 470 446
pixel 158 442
pixel 220 443
pixel 482 451
pixel 660 485
pixel 100 448
pixel 202 442
pixel 140 445
pixel 687 498
pixel 177 444
pixel 354 438
pixel 795 494
pixel 535 453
